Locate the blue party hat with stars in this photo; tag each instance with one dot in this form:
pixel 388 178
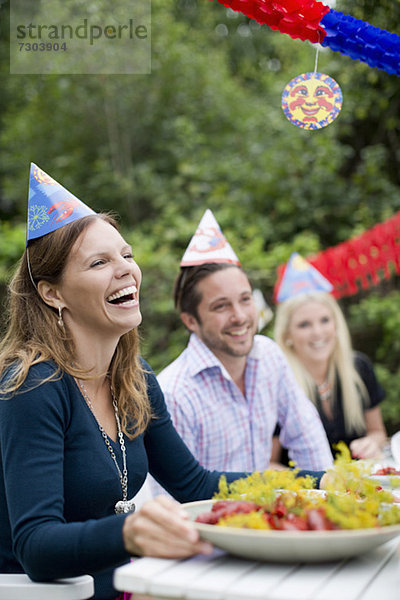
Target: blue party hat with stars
pixel 301 277
pixel 50 205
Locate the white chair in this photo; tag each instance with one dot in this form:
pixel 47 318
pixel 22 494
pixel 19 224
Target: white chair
pixel 21 587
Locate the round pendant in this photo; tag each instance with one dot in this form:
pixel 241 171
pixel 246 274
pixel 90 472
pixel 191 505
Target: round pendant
pixel 125 506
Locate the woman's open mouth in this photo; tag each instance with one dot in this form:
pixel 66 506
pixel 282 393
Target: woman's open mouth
pixel 123 296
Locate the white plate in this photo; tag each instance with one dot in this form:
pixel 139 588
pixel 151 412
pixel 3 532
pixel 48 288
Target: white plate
pixel 290 546
pixel 386 481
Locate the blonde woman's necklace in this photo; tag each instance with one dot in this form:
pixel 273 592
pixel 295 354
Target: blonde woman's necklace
pixel 325 390
pixel 124 505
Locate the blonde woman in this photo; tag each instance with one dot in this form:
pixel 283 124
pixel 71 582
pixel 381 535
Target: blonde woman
pixel 311 330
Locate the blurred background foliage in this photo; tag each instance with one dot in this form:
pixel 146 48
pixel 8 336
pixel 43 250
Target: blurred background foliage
pixel 206 130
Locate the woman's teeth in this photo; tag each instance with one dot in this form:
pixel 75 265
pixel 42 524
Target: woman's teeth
pixel 318 345
pixel 127 292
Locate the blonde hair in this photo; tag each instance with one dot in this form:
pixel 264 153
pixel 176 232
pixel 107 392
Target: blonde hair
pixel 341 362
pixel 33 334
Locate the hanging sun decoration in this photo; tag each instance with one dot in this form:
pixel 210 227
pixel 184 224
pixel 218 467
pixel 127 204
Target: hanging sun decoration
pixel 317 23
pixel 312 100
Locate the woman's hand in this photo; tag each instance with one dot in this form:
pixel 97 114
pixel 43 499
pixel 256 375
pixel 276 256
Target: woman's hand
pixel 161 529
pixel 365 447
pixel 372 444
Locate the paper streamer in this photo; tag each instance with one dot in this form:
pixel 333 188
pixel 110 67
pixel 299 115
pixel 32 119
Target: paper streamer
pixel 317 23
pixel 359 263
pixel 297 18
pixel 361 41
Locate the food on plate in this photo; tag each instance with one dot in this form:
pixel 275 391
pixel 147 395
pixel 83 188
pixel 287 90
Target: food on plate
pixel 280 500
pixel 386 471
pixel 287 513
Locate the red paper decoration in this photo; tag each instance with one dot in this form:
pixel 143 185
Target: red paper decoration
pixel 360 262
pixel 298 18
pixel 315 22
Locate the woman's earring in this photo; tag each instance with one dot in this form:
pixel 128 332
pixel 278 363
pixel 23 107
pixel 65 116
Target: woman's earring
pixel 288 342
pixel 60 319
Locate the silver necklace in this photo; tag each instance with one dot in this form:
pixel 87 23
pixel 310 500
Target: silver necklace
pixel 325 390
pixel 124 505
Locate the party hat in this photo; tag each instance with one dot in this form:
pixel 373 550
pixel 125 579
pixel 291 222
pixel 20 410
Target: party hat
pixel 264 312
pixel 301 277
pixel 208 245
pixel 50 205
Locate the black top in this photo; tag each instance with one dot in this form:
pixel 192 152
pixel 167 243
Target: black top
pixel 335 428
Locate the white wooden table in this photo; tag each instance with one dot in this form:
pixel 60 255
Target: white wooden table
pixel 371 576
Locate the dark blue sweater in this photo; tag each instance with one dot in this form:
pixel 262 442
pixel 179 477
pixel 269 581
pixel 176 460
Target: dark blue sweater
pixel 59 485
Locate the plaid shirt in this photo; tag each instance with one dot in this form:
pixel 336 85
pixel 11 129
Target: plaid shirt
pixel 227 431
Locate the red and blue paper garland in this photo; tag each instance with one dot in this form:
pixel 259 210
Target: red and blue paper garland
pixel 317 23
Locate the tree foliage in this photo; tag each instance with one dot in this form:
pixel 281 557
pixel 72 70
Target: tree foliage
pixel 206 130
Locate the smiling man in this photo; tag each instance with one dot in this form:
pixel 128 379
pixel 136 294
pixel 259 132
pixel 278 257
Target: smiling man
pixel 229 388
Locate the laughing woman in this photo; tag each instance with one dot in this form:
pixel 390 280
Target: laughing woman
pixel 82 418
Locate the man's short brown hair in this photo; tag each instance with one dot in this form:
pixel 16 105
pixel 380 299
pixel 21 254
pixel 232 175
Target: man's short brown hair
pixel 186 295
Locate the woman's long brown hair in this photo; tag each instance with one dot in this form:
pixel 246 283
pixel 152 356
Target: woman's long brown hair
pixel 33 335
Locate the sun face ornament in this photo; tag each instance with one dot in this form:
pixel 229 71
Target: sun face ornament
pixel 312 100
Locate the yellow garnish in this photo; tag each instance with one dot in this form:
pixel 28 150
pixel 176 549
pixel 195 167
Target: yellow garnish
pixel 261 487
pixel 351 499
pixel 253 520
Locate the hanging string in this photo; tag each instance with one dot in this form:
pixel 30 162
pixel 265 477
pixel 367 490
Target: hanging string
pixel 316 59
